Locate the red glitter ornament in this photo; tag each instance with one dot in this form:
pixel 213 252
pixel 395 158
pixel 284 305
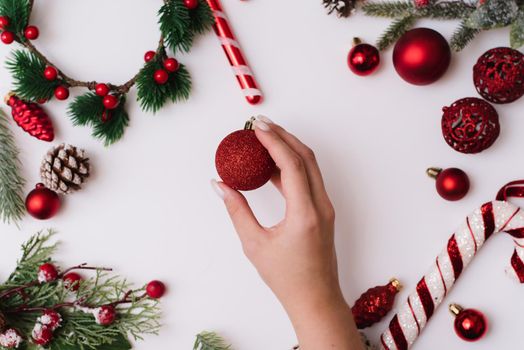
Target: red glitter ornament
pixel 72 281
pixel 499 75
pixel 470 125
pixel 363 59
pixel 31 33
pixel 470 325
pixel 374 304
pixel 7 37
pixel 421 56
pixel 155 289
pixel 452 184
pixel 242 161
pixel 42 203
pixel 31 118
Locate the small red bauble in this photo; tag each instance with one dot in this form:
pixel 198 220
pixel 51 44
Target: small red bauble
pixel 171 65
pixel 499 75
pixel 470 325
pixel 4 22
pixel 51 319
pixel 363 59
pixel 470 125
pixel 191 4
pixel 105 315
pixel 72 281
pixel 42 203
pixel 50 73
pixel 452 184
pixel 242 161
pixel 111 101
pixel 61 93
pixel 31 32
pixel 101 89
pixel 421 56
pixel 31 118
pixel 374 304
pixel 161 76
pixel 149 56
pixel 7 37
pixel 42 335
pixel 47 273
pixel 155 289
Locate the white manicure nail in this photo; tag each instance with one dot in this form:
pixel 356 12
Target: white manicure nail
pixel 217 189
pixel 261 125
pixel 265 119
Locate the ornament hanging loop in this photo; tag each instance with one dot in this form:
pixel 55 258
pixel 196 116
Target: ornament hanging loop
pixel 250 124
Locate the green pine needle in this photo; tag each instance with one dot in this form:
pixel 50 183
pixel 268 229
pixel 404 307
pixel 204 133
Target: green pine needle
pixel 11 181
pixel 18 13
pixel 395 31
pixel 87 110
pixel 389 9
pixel 210 341
pixel 462 36
pixel 446 10
pixel 201 18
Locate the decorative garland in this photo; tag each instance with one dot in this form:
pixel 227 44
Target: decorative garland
pixel 161 79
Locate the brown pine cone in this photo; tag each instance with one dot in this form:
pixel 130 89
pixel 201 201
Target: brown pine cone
pixel 64 169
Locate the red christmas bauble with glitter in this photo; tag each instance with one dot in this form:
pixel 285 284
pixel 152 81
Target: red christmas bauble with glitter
pixel 470 324
pixel 499 75
pixel 191 4
pixel 421 56
pixel 7 37
pixel 155 289
pixel 61 93
pixel 31 33
pixel 72 281
pixel 242 161
pixel 470 125
pixel 102 89
pixel 161 76
pixel 452 184
pixel 363 59
pixel 42 203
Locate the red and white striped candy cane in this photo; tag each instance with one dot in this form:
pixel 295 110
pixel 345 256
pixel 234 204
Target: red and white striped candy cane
pixel 492 217
pixel 234 54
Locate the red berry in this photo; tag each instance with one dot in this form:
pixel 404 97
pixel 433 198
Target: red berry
pixel 106 115
pixel 155 289
pixel 47 273
pixel 42 335
pixel 62 93
pixel 171 65
pixel 72 281
pixel 101 89
pixel 149 56
pixel 7 37
pixel 191 4
pixel 111 101
pixel 32 32
pixel 105 315
pixel 4 22
pixel 10 339
pixel 50 73
pixel 51 319
pixel 161 76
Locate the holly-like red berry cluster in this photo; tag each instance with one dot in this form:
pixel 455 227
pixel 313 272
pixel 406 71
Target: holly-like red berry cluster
pixel 8 37
pixel 161 75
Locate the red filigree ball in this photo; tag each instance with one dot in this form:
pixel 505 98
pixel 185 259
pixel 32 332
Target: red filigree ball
pixel 470 125
pixel 499 75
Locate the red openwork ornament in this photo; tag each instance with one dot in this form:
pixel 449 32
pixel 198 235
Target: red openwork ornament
pixel 470 125
pixel 499 75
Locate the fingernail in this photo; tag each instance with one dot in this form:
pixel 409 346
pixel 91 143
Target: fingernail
pixel 265 119
pixel 261 125
pixel 217 189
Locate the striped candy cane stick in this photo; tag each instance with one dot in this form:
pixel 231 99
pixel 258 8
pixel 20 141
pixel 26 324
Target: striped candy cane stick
pixel 231 47
pixel 492 217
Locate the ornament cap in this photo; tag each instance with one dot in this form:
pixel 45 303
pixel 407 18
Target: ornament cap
pixel 250 124
pixel 8 97
pixel 396 283
pixel 433 172
pixel 455 309
pixel 357 41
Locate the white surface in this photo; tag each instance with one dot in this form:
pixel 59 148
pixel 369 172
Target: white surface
pixel 148 209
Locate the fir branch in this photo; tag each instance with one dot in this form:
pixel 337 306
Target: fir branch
pixel 11 181
pixel 395 31
pixel 463 36
pixel 517 30
pixel 210 341
pixel 174 23
pixel 18 12
pixel 201 19
pixel 446 10
pixel 389 9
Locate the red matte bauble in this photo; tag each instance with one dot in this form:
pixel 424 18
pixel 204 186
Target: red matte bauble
pixel 452 184
pixel 50 73
pixel 149 55
pixel 242 161
pixel 42 203
pixel 171 65
pixel 4 22
pixel 470 325
pixel 101 89
pixel 470 125
pixel 363 59
pixel 155 289
pixel 61 93
pixel 7 37
pixel 421 56
pixel 375 304
pixel 499 75
pixel 161 76
pixel 111 101
pixel 191 4
pixel 72 281
pixel 31 33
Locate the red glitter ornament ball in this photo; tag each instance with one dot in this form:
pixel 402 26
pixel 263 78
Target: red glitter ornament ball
pixel 363 59
pixel 50 73
pixel 452 184
pixel 72 281
pixel 374 304
pixel 242 161
pixel 61 93
pixel 7 37
pixel 470 325
pixel 155 289
pixel 31 33
pixel 470 125
pixel 42 203
pixel 499 75
pixel 421 56
pixel 101 89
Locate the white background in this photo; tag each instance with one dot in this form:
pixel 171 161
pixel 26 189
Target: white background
pixel 149 211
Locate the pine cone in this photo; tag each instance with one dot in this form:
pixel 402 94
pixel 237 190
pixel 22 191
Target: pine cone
pixel 64 169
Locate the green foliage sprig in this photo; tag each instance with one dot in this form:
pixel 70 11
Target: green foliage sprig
pixel 210 341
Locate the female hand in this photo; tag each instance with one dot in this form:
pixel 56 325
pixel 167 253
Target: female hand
pixel 296 258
